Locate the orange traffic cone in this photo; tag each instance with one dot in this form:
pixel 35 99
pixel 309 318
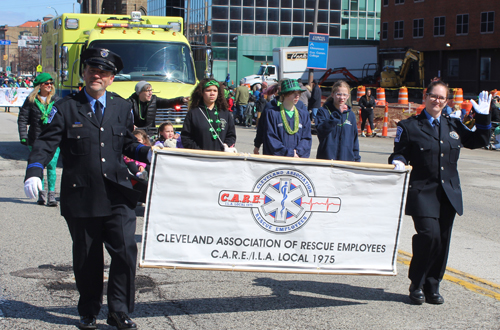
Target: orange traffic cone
pixel 403 95
pixel 386 120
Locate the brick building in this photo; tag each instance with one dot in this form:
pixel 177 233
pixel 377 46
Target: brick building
pixel 459 38
pixel 23 53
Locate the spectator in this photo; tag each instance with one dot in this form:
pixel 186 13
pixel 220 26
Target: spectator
pixel 306 95
pixel 337 128
pixel 366 103
pixel 145 105
pixel 315 100
pixel 35 113
pixel 167 136
pixel 287 125
pixel 208 124
pixel 241 100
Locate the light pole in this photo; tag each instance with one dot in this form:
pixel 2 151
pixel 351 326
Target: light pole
pixel 54 10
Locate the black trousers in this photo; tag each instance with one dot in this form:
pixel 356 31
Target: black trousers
pixel 117 233
pixel 431 245
pixel 367 114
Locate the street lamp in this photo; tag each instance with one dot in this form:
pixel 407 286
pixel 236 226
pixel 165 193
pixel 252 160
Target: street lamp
pixel 54 10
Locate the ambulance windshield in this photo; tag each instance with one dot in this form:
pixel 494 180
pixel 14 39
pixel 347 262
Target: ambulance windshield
pixel 152 61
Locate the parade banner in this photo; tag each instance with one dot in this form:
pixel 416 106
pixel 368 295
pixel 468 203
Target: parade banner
pixel 242 212
pixel 13 96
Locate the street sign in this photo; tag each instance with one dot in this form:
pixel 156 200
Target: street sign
pixel 4 42
pixel 317 57
pixel 8 68
pixel 39 68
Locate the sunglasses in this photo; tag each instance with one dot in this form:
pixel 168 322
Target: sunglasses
pixel 48 83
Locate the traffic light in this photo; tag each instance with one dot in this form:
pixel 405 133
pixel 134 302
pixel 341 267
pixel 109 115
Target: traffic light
pixel 5 57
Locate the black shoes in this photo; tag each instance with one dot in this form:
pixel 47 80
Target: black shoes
pixel 121 320
pixel 416 295
pixel 87 322
pixel 434 298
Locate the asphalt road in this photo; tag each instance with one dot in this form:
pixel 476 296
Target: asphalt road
pixel 37 289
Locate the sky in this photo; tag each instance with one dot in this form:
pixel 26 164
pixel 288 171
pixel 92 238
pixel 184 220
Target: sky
pixel 16 12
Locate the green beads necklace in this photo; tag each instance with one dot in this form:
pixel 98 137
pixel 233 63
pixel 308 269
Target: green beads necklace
pixel 285 121
pixel 215 132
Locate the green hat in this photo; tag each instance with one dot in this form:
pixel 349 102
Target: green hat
pixel 41 78
pixel 290 85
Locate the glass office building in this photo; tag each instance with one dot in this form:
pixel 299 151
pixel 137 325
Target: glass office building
pixel 218 23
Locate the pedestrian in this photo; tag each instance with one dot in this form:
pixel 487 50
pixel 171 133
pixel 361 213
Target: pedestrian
pixel 35 113
pixel 431 143
pixel 145 106
pixel 93 129
pixel 337 128
pixel 287 127
pixel 314 100
pixel 241 100
pixel 366 103
pixel 208 124
pixel 306 95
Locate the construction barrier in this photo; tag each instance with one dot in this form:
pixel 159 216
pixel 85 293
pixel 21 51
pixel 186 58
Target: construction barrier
pixel 361 92
pixel 458 96
pixel 467 106
pixel 380 96
pixel 403 95
pixel 386 120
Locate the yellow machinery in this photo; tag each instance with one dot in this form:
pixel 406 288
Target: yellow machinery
pixel 390 79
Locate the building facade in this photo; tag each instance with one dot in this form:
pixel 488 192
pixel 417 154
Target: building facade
pixel 23 54
pixel 119 7
pixel 459 39
pixel 218 23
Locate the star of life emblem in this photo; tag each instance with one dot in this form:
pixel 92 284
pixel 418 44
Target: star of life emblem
pixel 281 201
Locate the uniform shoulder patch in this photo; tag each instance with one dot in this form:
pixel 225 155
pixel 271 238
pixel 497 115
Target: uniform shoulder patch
pixel 399 131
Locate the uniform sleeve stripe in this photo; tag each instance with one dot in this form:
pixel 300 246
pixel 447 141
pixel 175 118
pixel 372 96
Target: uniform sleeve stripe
pixel 35 165
pixel 479 126
pixel 137 150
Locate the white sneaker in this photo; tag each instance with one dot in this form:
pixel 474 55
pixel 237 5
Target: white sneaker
pixel 363 134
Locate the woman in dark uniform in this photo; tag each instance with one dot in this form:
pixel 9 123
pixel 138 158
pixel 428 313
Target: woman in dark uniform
pixel 431 143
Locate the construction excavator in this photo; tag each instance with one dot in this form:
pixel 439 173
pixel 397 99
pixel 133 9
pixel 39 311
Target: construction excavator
pixel 409 75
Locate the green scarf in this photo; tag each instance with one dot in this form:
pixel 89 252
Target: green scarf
pixel 45 110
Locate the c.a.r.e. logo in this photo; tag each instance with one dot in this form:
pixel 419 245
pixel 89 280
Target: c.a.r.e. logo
pixel 281 201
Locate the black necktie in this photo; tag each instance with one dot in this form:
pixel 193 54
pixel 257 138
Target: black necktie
pixel 98 111
pixel 436 127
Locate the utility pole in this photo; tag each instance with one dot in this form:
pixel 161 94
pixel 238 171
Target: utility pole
pixel 315 30
pixel 188 10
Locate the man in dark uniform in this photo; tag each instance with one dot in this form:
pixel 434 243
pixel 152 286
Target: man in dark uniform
pixel 93 129
pixel 431 143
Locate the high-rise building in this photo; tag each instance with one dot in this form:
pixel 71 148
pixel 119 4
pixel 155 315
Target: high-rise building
pixel 459 39
pixel 119 7
pixel 218 23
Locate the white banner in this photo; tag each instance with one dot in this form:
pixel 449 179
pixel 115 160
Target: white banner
pixel 220 211
pixel 13 96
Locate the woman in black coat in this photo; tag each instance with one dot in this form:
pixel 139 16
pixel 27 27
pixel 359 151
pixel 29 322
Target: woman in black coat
pixel 366 103
pixel 35 113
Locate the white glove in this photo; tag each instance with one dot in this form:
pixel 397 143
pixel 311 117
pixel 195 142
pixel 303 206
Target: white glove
pixel 230 149
pixel 457 114
pixel 484 103
pixel 32 186
pixel 398 165
pixel 150 154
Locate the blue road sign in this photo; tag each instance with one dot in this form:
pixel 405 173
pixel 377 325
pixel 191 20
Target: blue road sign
pixel 4 42
pixel 317 57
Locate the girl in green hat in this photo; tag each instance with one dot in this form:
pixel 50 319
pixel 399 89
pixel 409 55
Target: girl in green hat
pixel 35 112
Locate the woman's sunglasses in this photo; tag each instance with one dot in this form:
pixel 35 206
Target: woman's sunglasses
pixel 48 83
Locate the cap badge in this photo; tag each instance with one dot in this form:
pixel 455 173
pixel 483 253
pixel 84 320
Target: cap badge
pixel 104 53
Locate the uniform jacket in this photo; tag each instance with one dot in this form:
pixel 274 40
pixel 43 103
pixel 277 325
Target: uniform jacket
pixel 434 159
pixel 337 134
pixel 148 112
pixel 196 134
pixel 29 114
pixel 95 176
pixel 277 141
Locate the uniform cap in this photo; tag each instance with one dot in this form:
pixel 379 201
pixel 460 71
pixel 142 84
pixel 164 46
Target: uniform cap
pixel 103 59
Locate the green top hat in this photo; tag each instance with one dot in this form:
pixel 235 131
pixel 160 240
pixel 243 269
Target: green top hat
pixel 290 85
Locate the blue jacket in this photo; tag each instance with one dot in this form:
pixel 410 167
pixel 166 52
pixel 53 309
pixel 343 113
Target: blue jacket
pixel 278 142
pixel 337 134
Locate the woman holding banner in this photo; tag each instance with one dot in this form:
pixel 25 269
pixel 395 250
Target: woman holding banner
pixel 430 143
pixel 337 128
pixel 35 112
pixel 287 124
pixel 208 124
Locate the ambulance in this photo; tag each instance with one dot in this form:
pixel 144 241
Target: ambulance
pixel 152 48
